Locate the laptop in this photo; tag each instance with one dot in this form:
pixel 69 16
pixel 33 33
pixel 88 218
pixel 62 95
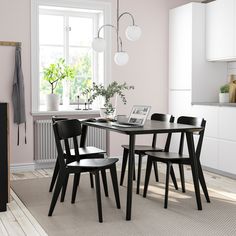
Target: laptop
pixel 137 117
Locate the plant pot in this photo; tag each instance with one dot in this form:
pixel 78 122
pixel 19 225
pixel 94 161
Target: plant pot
pixel 223 97
pixel 52 102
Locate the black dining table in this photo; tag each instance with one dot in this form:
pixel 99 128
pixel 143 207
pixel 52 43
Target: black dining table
pixel 150 127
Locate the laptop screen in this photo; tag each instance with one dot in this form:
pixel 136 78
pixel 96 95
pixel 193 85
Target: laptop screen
pixel 139 114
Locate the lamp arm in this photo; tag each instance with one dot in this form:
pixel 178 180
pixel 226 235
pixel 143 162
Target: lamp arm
pixel 127 13
pixel 106 25
pixel 119 38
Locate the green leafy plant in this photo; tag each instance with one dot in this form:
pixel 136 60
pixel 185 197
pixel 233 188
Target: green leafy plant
pixel 107 92
pixel 224 88
pixel 58 71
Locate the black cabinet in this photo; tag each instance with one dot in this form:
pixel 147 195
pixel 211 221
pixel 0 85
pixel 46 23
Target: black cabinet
pixel 4 182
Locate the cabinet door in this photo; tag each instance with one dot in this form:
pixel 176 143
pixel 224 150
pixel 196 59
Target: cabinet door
pixel 227 127
pixel 209 154
pixel 180 47
pixel 227 160
pixel 220 30
pixel 210 114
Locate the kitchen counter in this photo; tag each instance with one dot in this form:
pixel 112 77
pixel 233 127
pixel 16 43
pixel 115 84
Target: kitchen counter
pixel 214 104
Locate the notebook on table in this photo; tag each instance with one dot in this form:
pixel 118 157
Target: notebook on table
pixel 137 117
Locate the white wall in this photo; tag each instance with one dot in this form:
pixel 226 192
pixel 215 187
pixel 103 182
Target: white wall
pixel 147 69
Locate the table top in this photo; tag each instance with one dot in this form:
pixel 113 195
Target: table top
pixel 150 127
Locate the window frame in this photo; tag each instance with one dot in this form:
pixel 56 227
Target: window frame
pixel 81 4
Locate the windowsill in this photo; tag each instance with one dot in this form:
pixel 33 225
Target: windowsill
pixel 71 110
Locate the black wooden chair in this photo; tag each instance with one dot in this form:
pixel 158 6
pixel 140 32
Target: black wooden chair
pixel 63 131
pixel 170 158
pixel 141 149
pixel 85 152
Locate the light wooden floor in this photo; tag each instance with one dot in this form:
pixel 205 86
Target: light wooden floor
pixel 18 220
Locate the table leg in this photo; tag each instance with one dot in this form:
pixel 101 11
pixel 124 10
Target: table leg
pixel 194 167
pixel 130 177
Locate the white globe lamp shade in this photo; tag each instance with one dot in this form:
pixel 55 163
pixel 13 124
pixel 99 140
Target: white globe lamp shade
pixel 133 32
pixel 121 58
pixel 99 44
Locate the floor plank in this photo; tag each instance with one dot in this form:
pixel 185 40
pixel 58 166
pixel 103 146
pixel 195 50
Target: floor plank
pixel 3 230
pixel 10 223
pixel 31 219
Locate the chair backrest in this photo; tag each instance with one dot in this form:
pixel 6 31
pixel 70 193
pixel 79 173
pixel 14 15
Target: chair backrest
pixel 55 119
pixel 162 117
pixel 188 120
pixel 63 131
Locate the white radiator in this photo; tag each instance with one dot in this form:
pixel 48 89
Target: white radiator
pixel 45 146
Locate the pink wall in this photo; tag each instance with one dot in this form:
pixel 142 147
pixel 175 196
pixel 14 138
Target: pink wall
pixel 147 69
pixel 15 26
pixel 148 66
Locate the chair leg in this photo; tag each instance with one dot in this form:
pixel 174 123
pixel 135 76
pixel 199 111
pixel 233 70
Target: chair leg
pixel 181 171
pixel 203 183
pixel 172 174
pixel 54 176
pixel 156 171
pixel 91 180
pixel 63 193
pixel 147 176
pixel 124 163
pixel 75 186
pixel 104 180
pixel 139 173
pixel 115 185
pixel 98 193
pixel 59 184
pixel 168 169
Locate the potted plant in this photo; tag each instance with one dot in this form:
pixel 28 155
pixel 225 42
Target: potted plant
pixel 54 73
pixel 109 94
pixel 224 94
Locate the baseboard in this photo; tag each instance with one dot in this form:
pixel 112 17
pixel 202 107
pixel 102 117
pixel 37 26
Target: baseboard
pixel 22 167
pixel 219 172
pixel 31 166
pixel 45 165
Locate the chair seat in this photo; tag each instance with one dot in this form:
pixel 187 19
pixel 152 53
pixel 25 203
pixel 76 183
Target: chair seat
pixel 143 148
pixel 167 155
pixel 93 163
pixel 87 151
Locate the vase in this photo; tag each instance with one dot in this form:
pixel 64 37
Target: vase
pixel 52 102
pixel 223 97
pixel 106 112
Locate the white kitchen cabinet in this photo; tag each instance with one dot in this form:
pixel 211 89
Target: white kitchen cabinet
pixel 180 103
pixel 193 79
pixel 220 30
pixel 209 154
pixel 227 160
pixel 180 47
pixel 210 114
pixel 227 127
pixel 188 67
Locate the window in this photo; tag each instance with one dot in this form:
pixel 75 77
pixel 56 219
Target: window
pixel 66 31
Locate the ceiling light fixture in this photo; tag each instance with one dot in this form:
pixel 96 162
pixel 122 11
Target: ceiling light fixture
pixel 133 33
